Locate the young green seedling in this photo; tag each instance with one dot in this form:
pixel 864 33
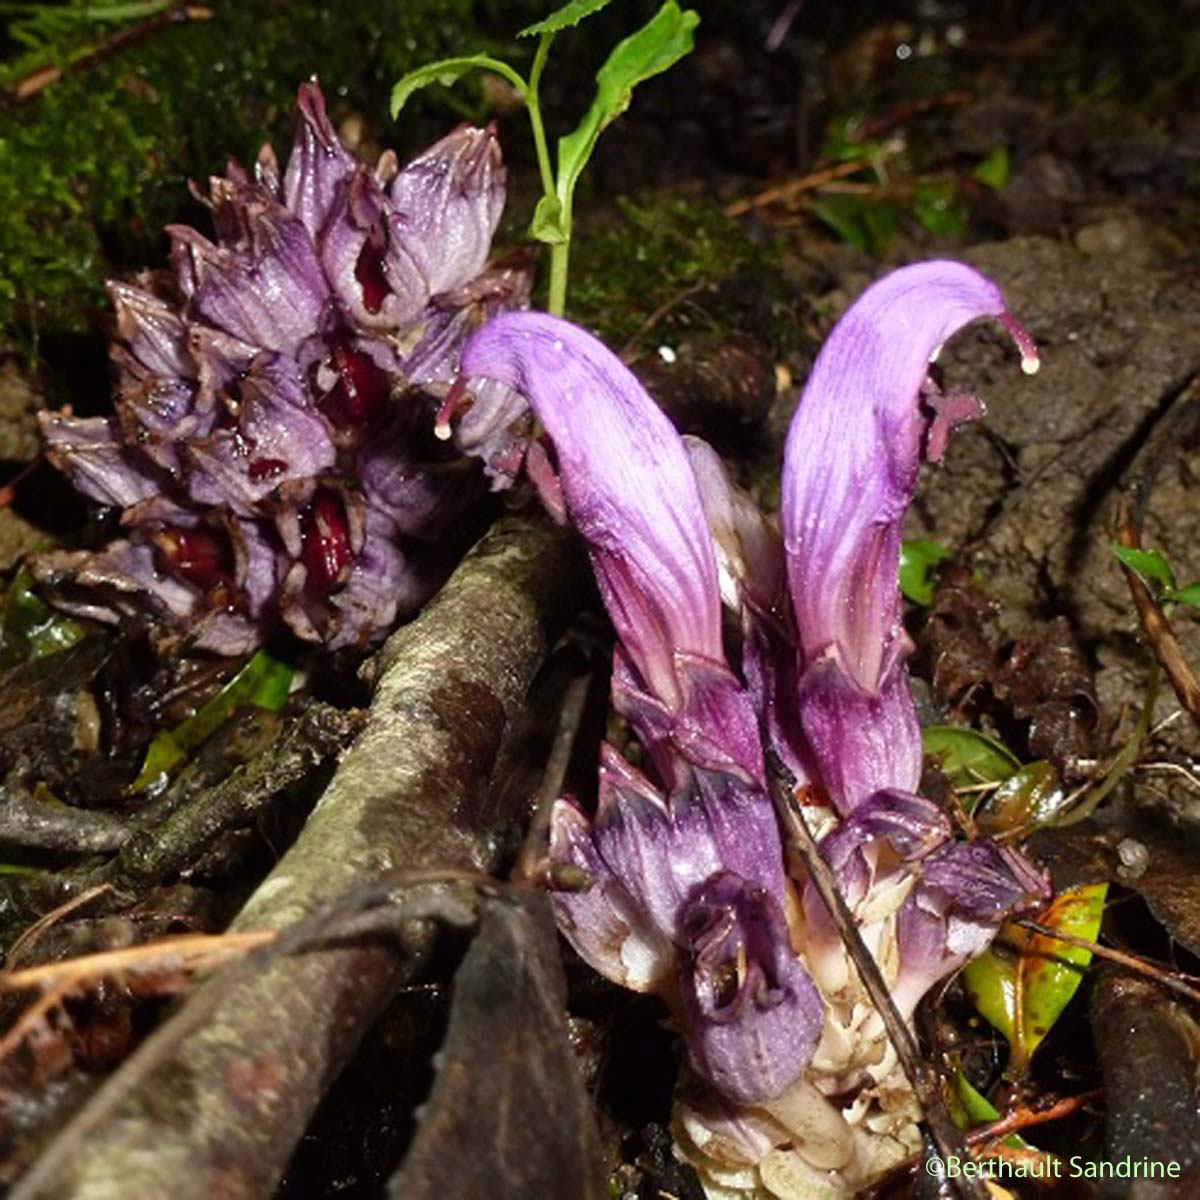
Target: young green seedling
pixel 658 45
pixel 1157 574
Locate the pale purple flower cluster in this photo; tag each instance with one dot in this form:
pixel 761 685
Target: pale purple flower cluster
pixel 690 894
pixel 272 448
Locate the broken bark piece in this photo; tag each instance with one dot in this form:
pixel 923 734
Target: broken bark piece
pixel 508 1088
pixel 219 1113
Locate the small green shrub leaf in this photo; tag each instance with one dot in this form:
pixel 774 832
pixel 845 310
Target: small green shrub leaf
pixel 657 46
pixel 1185 595
pixel 567 16
pixel 917 561
pixel 547 225
pixel 1022 985
pixel 264 682
pixel 995 168
pixel 1027 799
pixel 1150 565
pixel 447 72
pixel 966 756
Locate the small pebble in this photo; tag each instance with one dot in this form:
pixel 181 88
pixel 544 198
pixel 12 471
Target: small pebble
pixel 1134 858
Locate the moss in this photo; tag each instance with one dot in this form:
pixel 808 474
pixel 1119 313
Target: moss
pixel 682 260
pixel 92 168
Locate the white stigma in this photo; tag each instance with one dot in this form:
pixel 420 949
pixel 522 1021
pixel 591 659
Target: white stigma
pixel 442 431
pixel 1030 364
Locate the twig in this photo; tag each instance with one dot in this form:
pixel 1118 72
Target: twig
pixel 1117 767
pixel 8 491
pixel 531 860
pixel 27 821
pixel 657 315
pixel 1155 624
pixel 905 112
pixel 1026 1115
pixel 65 1151
pixel 782 26
pixel 185 952
pixel 43 77
pixel 55 915
pixel 1176 981
pixel 925 1081
pixel 790 189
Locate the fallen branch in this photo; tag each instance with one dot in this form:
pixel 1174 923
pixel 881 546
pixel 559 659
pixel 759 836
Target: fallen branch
pixel 220 1112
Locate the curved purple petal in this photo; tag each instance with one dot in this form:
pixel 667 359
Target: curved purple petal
pixel 858 742
pixel 606 925
pixel 90 453
pixel 648 857
pixel 628 485
pixel 850 468
pixel 967 890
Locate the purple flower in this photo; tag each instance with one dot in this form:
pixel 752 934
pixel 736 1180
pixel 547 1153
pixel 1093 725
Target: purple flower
pixel 272 448
pixel 849 473
pixel 687 891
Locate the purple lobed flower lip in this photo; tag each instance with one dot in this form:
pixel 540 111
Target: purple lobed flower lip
pixel 272 446
pixel 688 892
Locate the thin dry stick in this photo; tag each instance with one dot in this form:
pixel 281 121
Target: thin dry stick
pixel 1024 1115
pixel 792 188
pixel 531 861
pixel 925 1081
pixel 186 952
pixel 32 1017
pixel 55 915
pixel 1176 981
pixel 1155 623
pixel 668 305
pixel 43 77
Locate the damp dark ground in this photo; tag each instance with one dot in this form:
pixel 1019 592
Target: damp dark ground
pixel 725 223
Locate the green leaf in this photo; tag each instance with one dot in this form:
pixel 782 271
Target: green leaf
pixel 939 207
pixel 1185 595
pixel 868 224
pixel 967 756
pixel 1025 800
pixel 995 168
pixel 264 682
pixel 1150 565
pixel 29 627
pixel 1022 986
pixel 654 48
pixel 547 223
pixel 566 17
pixel 917 560
pixel 447 72
pixel 842 143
